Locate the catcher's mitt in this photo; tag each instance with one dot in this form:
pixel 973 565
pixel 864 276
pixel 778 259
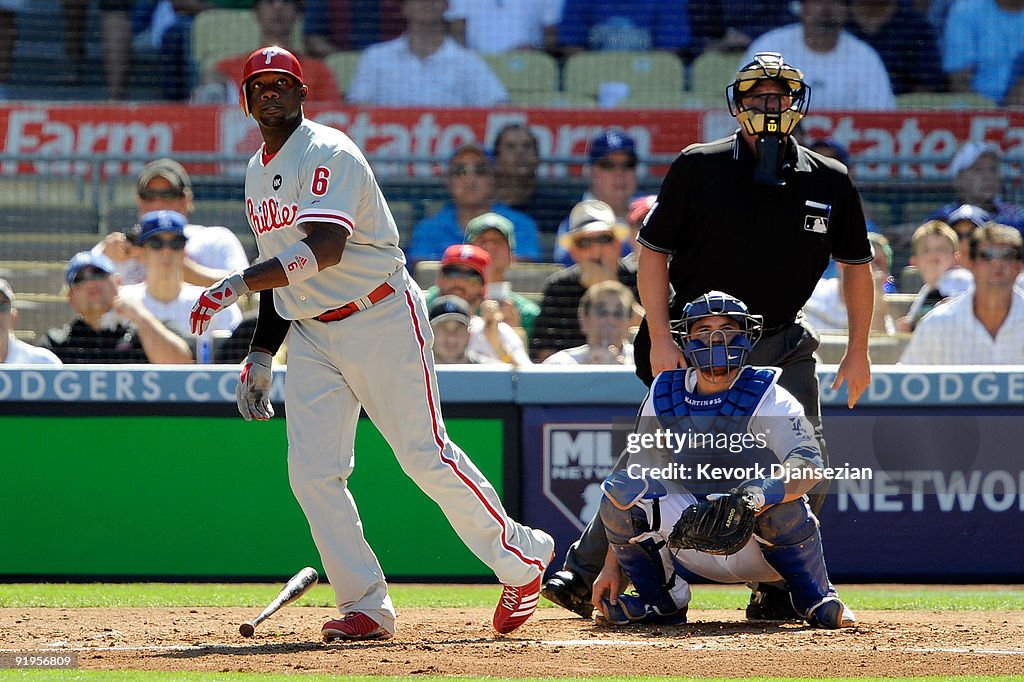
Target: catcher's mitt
pixel 719 526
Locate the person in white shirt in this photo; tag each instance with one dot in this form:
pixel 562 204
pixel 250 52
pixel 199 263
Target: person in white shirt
pixel 605 312
pixel 14 351
pixel 211 252
pixel 165 292
pixel 492 26
pixel 843 71
pixel 985 325
pixel 424 67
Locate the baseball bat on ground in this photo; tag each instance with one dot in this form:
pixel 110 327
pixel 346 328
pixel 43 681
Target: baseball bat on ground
pixel 293 589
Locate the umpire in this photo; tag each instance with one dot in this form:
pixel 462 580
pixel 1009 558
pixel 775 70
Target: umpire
pixel 758 216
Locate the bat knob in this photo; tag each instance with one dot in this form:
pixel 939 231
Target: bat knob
pixel 246 629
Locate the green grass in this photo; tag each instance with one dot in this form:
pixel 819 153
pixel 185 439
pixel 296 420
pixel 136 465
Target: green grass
pixel 138 595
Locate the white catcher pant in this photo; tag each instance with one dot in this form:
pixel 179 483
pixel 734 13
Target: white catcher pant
pixel 380 358
pixel 746 565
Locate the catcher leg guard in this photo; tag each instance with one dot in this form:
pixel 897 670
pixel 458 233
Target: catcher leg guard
pixel 791 544
pixel 663 595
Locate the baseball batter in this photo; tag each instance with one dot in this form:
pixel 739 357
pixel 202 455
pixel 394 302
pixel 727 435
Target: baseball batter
pixel 663 527
pixel 358 336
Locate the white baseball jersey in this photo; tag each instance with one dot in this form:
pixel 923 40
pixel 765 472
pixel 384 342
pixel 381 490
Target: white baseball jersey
pixel 378 360
pixel 320 175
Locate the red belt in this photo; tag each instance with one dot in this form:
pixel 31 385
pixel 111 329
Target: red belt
pixel 352 307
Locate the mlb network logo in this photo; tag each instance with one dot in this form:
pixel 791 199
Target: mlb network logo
pixel 576 459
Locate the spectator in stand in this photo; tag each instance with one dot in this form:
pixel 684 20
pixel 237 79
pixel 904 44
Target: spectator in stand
pixel 516 160
pixel 981 39
pixel 612 179
pixel 496 235
pixel 8 31
pixel 463 273
pixel 14 351
pixel 984 326
pixel 116 42
pixel 471 188
pixel 1015 91
pixel 424 66
pixel 731 25
pixel 904 40
pixel 211 252
pixel 347 25
pixel 935 252
pixel 595 242
pixel 843 71
pixel 449 320
pixel 964 220
pixel 491 26
pixel 164 292
pixel 616 25
pixel 175 44
pixel 604 315
pixel 276 19
pixel 825 310
pixel 108 328
pixel 977 178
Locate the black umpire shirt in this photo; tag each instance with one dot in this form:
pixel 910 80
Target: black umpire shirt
pixel 767 246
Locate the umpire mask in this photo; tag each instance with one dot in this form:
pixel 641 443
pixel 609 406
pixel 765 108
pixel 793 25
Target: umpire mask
pixel 769 112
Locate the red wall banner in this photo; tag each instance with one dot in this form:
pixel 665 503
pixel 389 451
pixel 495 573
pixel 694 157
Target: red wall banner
pixel 908 145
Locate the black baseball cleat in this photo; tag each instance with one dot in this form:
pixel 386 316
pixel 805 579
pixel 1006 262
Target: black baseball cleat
pixel 568 591
pixel 771 604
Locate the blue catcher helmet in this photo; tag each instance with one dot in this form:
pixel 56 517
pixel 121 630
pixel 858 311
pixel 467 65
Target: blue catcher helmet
pixel 719 349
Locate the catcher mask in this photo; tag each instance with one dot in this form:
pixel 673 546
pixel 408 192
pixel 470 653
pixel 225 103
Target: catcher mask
pixel 719 349
pixel 272 58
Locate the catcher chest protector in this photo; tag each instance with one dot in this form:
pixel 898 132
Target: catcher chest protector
pixel 671 398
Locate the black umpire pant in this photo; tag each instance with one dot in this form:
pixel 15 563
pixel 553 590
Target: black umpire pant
pixel 791 348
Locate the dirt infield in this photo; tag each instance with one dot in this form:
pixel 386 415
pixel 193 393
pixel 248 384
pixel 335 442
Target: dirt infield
pixel 456 641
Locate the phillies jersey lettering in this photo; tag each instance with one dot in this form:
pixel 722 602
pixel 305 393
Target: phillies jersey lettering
pixel 267 215
pixel 319 175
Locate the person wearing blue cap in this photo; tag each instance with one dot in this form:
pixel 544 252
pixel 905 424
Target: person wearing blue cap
pixel 14 351
pixel 161 234
pixel 612 163
pixel 109 328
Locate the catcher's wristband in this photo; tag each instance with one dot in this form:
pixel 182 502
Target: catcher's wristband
pixel 773 491
pixel 298 262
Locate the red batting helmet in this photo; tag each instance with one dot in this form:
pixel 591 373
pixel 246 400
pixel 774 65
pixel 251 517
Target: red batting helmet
pixel 272 58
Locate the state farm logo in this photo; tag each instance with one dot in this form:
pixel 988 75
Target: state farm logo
pixel 576 459
pixel 269 215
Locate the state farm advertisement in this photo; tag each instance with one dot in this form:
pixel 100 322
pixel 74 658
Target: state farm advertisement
pixel 56 139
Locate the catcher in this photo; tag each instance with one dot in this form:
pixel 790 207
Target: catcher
pixel 681 508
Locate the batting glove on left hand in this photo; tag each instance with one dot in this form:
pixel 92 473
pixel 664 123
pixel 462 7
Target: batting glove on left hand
pixel 215 299
pixel 253 391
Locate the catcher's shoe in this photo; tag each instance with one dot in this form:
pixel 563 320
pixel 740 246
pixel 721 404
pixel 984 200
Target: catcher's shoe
pixel 568 591
pixel 353 626
pixel 771 604
pixel 631 609
pixel 516 606
pixel 832 614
